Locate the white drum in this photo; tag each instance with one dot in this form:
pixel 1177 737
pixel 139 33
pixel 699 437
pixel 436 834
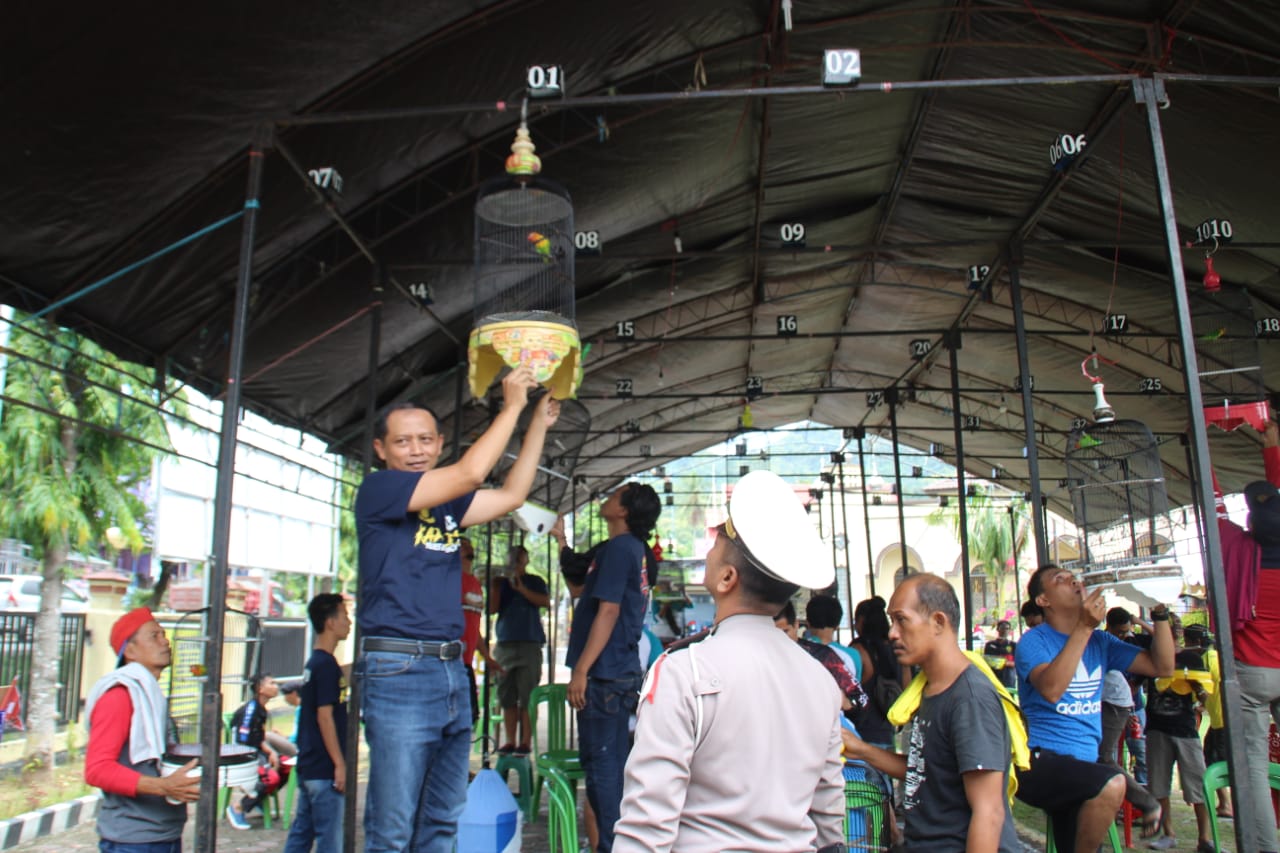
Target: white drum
pixel 237 764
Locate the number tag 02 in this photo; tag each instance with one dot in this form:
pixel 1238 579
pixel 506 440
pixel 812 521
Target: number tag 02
pixel 841 67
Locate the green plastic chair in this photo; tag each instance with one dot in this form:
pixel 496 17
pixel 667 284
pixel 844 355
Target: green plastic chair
pixel 1215 778
pixel 562 812
pixel 1051 844
pixel 556 752
pixel 524 776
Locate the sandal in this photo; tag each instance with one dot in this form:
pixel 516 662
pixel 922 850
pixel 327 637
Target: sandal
pixel 506 749
pixel 1151 823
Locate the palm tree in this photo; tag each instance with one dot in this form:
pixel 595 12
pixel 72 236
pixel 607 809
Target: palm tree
pixel 992 539
pixel 79 432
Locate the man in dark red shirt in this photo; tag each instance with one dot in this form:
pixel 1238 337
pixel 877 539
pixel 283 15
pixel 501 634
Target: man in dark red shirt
pixel 1251 561
pixel 128 734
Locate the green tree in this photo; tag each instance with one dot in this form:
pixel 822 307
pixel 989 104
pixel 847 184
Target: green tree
pixel 79 432
pixel 992 540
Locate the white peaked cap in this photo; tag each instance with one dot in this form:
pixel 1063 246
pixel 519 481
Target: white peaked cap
pixel 767 520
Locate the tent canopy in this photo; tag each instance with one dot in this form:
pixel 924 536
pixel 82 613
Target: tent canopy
pixel 127 133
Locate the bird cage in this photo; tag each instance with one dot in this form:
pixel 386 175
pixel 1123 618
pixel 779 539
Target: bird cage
pixel 242 638
pixel 1229 359
pixel 524 286
pixel 1118 498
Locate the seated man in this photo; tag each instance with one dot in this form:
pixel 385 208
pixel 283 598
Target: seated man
pixel 957 765
pixel 1061 665
pixel 249 728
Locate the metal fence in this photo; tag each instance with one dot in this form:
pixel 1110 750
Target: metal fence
pixel 17 632
pixel 285 647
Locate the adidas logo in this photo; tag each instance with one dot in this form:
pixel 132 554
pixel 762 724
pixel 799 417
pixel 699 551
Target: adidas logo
pixel 1079 708
pixel 1086 683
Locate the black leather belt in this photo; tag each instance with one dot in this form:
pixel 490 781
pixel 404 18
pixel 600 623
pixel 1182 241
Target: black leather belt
pixel 423 648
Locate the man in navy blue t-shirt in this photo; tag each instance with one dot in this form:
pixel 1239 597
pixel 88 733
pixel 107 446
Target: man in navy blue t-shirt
pixel 1061 667
pixel 322 733
pixel 603 649
pixel 519 599
pixel 414 689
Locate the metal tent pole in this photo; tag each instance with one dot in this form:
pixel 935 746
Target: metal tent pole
pixel 953 347
pixel 1013 546
pixel 1026 381
pixel 354 685
pixel 830 480
pixel 860 433
pixel 891 395
pixel 848 564
pixel 1150 93
pixel 206 836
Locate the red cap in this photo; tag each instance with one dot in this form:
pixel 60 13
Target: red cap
pixel 126 626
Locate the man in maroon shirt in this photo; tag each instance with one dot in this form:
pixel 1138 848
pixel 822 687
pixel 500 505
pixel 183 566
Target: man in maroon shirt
pixel 1251 562
pixel 128 733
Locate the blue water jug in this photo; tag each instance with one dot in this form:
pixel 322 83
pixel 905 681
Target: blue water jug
pixel 491 821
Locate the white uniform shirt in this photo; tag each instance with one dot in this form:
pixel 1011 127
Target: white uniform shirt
pixel 756 767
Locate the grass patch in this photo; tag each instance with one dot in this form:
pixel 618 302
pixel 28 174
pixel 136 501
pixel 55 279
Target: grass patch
pixel 26 792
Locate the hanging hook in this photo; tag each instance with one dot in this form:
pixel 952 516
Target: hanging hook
pixel 524 111
pixel 1209 253
pixel 1095 358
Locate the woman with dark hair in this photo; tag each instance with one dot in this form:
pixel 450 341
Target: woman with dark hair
pixel 879 663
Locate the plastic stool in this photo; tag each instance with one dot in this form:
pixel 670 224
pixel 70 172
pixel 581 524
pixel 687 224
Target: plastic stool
pixel 524 775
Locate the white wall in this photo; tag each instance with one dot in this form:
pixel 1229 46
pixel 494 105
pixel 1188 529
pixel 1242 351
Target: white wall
pixel 282 514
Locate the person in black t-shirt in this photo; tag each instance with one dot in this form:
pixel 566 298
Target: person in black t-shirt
pixel 1002 648
pixel 322 729
pixel 1173 737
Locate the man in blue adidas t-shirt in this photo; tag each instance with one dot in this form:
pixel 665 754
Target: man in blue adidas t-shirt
pixel 415 696
pixel 1061 665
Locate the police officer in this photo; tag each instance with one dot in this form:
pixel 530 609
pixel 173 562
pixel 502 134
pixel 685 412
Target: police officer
pixel 738 739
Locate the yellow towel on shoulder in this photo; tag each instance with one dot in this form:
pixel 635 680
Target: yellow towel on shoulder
pixel 1019 753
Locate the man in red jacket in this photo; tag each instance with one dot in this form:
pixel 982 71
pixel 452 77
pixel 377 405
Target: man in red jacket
pixel 1251 561
pixel 128 733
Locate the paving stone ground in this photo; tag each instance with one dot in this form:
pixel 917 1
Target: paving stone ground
pixel 256 840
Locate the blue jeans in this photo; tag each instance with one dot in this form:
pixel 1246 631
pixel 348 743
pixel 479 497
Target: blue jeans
pixel 603 744
pixel 318 819
pixel 417 722
pixel 174 846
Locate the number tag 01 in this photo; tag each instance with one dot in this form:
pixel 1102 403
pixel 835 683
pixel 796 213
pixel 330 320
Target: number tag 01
pixel 545 81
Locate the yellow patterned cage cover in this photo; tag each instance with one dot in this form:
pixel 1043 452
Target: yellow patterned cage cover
pixel 551 350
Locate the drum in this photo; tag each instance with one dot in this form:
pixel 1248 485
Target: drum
pixel 237 764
